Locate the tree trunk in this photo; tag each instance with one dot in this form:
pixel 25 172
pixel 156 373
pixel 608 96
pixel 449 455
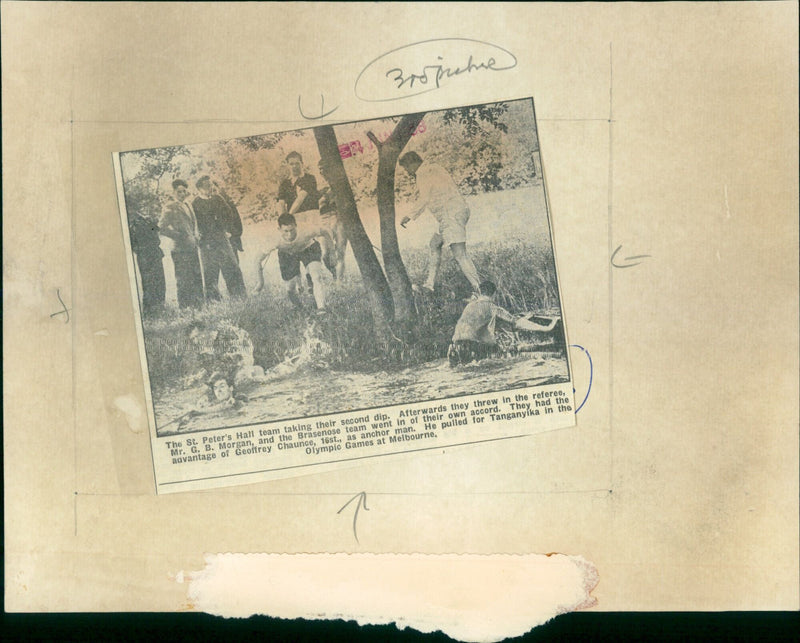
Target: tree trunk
pixel 396 274
pixel 378 292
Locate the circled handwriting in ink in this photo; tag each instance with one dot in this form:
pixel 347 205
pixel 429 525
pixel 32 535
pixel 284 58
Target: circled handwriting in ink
pixel 631 258
pixel 362 502
pixel 438 72
pixel 322 112
pixel 591 376
pixel 426 65
pixel 64 310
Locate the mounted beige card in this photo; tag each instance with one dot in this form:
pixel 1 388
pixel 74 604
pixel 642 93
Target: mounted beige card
pixel 669 142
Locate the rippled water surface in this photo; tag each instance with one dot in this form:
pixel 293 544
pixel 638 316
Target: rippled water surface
pixel 309 392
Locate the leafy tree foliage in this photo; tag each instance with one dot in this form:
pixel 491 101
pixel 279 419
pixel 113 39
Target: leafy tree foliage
pixel 485 148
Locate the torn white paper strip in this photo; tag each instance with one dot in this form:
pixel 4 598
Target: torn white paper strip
pixel 468 597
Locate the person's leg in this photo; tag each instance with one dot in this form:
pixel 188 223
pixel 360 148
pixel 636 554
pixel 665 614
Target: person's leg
pixel 459 251
pixel 434 261
pixel 289 265
pixel 208 256
pixel 195 296
pixel 160 282
pixel 149 275
pixel 305 280
pixel 340 245
pixel 292 286
pixel 231 271
pixel 315 272
pixel 329 253
pixel 179 260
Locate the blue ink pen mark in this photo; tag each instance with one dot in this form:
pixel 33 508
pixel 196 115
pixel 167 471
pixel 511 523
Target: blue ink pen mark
pixel 362 501
pixel 591 375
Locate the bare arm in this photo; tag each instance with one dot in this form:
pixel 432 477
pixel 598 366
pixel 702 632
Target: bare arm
pixel 525 324
pixel 262 260
pixel 419 208
pixel 302 195
pixel 502 313
pixel 421 204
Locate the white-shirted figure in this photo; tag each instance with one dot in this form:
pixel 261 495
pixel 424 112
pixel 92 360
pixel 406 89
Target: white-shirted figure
pixel 439 194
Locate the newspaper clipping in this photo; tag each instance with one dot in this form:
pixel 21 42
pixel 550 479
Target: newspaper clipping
pixel 312 298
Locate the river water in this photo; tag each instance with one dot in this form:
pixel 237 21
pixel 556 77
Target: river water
pixel 306 391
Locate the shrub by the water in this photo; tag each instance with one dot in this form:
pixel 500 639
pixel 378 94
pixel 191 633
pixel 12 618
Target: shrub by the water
pixel 523 273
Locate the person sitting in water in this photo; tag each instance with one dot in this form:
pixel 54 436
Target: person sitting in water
pixel 474 337
pixel 294 247
pixel 220 395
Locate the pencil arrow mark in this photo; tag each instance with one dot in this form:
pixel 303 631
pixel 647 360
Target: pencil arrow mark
pixel 64 311
pixel 322 112
pixel 631 258
pixel 362 502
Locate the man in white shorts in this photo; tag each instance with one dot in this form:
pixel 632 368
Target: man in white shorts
pixel 439 194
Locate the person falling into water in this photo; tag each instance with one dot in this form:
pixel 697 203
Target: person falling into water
pixel 474 337
pixel 296 246
pixel 439 194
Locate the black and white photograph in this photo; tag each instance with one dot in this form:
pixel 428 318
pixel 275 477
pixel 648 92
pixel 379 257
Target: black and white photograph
pixel 344 268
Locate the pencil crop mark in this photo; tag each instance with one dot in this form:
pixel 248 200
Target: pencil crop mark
pixel 362 501
pixel 322 112
pixel 64 310
pixel 631 258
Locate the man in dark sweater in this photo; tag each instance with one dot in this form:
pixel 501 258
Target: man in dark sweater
pixel 297 193
pixel 213 220
pixel 234 227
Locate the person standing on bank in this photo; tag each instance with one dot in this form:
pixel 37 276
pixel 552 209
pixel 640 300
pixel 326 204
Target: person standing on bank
pixel 213 216
pixel 298 192
pixel 146 245
pixel 234 227
pixel 179 224
pixel 439 194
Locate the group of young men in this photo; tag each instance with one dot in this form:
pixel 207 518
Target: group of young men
pixel 206 233
pixel 319 243
pixel 311 245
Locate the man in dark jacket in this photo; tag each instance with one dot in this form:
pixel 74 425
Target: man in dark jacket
pixel 178 223
pixel 234 227
pixel 213 222
pixel 146 245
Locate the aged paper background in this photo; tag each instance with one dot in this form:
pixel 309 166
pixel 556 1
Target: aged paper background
pixel 669 130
